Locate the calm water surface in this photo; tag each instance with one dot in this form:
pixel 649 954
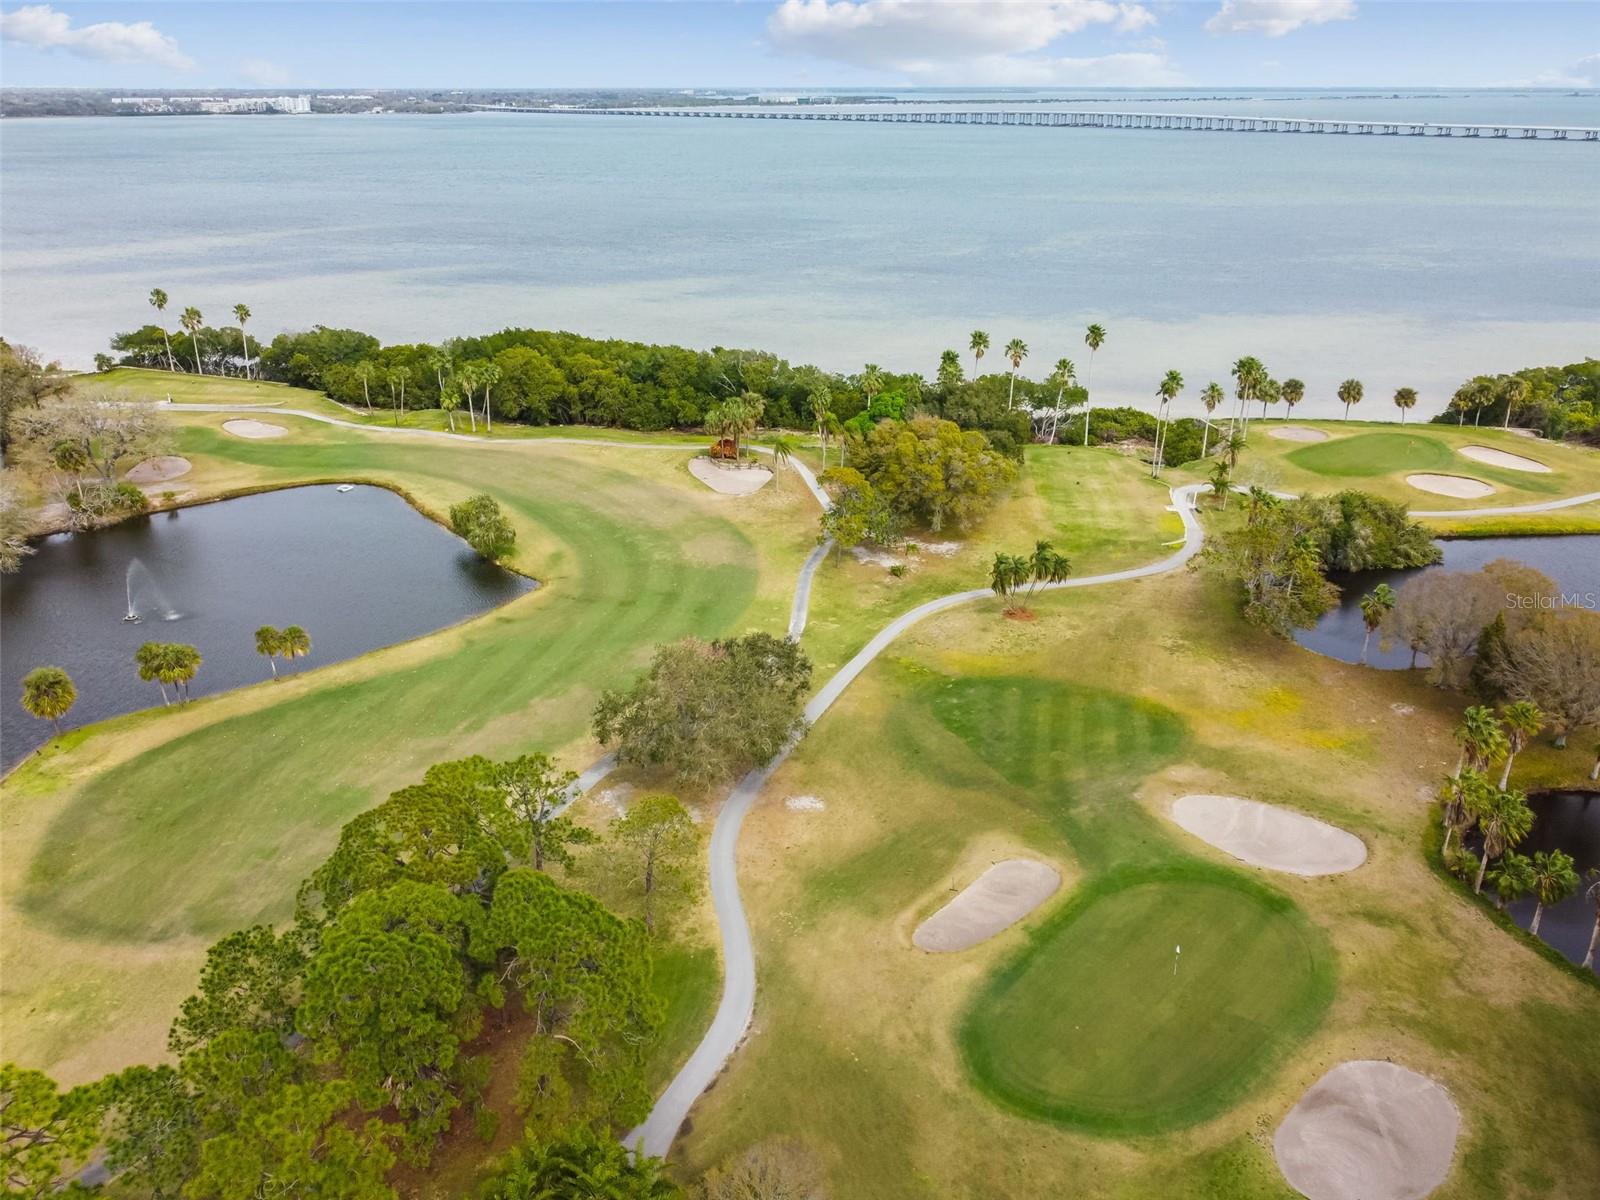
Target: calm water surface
pixel 1568 821
pixel 1398 261
pixel 358 570
pixel 1573 563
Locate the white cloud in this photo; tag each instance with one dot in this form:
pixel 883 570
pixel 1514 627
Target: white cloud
pixel 967 41
pixel 42 27
pixel 1277 17
pixel 264 72
pixel 1585 73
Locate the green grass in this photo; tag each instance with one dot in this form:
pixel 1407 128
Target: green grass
pixel 1091 1026
pixel 1366 454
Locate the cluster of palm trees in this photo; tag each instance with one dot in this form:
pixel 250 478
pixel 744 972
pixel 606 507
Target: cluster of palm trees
pixel 1014 575
pixel 164 663
pixel 1063 376
pixel 290 642
pixel 1471 799
pixel 737 417
pixel 193 322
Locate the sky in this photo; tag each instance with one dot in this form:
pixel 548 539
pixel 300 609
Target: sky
pixel 790 44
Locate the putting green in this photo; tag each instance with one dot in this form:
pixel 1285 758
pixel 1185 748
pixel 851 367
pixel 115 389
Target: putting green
pixel 1368 454
pixel 1091 1026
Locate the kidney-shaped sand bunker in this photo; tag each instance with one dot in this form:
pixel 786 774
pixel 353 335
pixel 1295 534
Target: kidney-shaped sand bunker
pixel 1265 836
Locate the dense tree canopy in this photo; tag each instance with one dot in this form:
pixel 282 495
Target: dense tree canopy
pixel 930 472
pixel 706 711
pixel 1557 401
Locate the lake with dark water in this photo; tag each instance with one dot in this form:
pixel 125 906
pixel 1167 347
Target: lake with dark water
pixel 357 570
pixel 1399 261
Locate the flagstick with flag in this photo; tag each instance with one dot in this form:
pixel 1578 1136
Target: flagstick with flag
pixel 1176 951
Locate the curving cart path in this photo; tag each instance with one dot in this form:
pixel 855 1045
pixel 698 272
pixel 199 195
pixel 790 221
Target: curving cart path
pixel 737 1006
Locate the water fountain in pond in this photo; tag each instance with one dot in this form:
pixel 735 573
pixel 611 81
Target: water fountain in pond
pixel 140 582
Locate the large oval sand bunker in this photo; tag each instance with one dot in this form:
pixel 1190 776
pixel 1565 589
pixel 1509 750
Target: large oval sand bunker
pixel 995 900
pixel 1461 487
pixel 1368 1131
pixel 1297 433
pixel 1502 458
pixel 729 481
pixel 247 428
pixel 159 469
pixel 1266 836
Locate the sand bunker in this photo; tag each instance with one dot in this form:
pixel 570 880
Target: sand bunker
pixel 159 470
pixel 1297 433
pixel 1265 836
pixel 1501 458
pixel 1001 896
pixel 1368 1131
pixel 1458 486
pixel 729 481
pixel 254 429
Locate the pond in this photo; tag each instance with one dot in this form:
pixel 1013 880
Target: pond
pixel 1573 562
pixel 1569 821
pixel 357 570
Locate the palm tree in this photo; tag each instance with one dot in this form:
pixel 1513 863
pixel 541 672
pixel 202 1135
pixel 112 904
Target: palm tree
pixel 949 370
pixel 820 399
pixel 1482 742
pixel 269 644
pixel 1504 819
pixel 48 694
pixel 152 659
pixel 488 375
pixel 194 322
pixel 364 372
pixel 1248 375
pixel 1094 337
pixel 1221 482
pixel 1211 396
pixel 1553 881
pixel 1511 878
pixel 1375 606
pixel 1293 391
pixel 1237 441
pixel 1515 394
pixel 1460 796
pixel 158 301
pixel 1350 392
pixel 1064 376
pixel 1405 399
pixel 783 450
pixel 1522 720
pixel 1592 894
pixel 871 383
pixel 1016 351
pixel 978 343
pixel 1008 573
pixel 182 664
pixel 467 380
pixel 1046 566
pixel 241 314
pixel 397 377
pixel 449 401
pixel 296 642
pixel 1166 392
pixel 1271 392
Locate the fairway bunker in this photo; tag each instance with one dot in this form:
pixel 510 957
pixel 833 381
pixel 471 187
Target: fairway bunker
pixel 996 900
pixel 1461 487
pixel 159 470
pixel 1502 458
pixel 246 428
pixel 729 481
pixel 1265 836
pixel 1368 1131
pixel 1297 433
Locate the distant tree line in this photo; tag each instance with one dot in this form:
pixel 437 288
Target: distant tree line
pixel 1559 402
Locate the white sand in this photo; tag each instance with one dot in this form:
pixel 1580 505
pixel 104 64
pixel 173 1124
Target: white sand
pixel 1297 433
pixel 875 558
pixel 729 481
pixel 1368 1131
pixel 254 429
pixel 804 804
pixel 1265 836
pixel 1000 897
pixel 1502 458
pixel 159 470
pixel 1458 486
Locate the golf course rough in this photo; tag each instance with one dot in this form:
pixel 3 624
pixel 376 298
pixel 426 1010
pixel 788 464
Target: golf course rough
pixel 1153 1000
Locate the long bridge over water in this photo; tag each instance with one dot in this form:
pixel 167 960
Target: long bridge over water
pixel 1198 122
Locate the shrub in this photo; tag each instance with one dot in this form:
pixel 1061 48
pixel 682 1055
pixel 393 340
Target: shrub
pixel 480 523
